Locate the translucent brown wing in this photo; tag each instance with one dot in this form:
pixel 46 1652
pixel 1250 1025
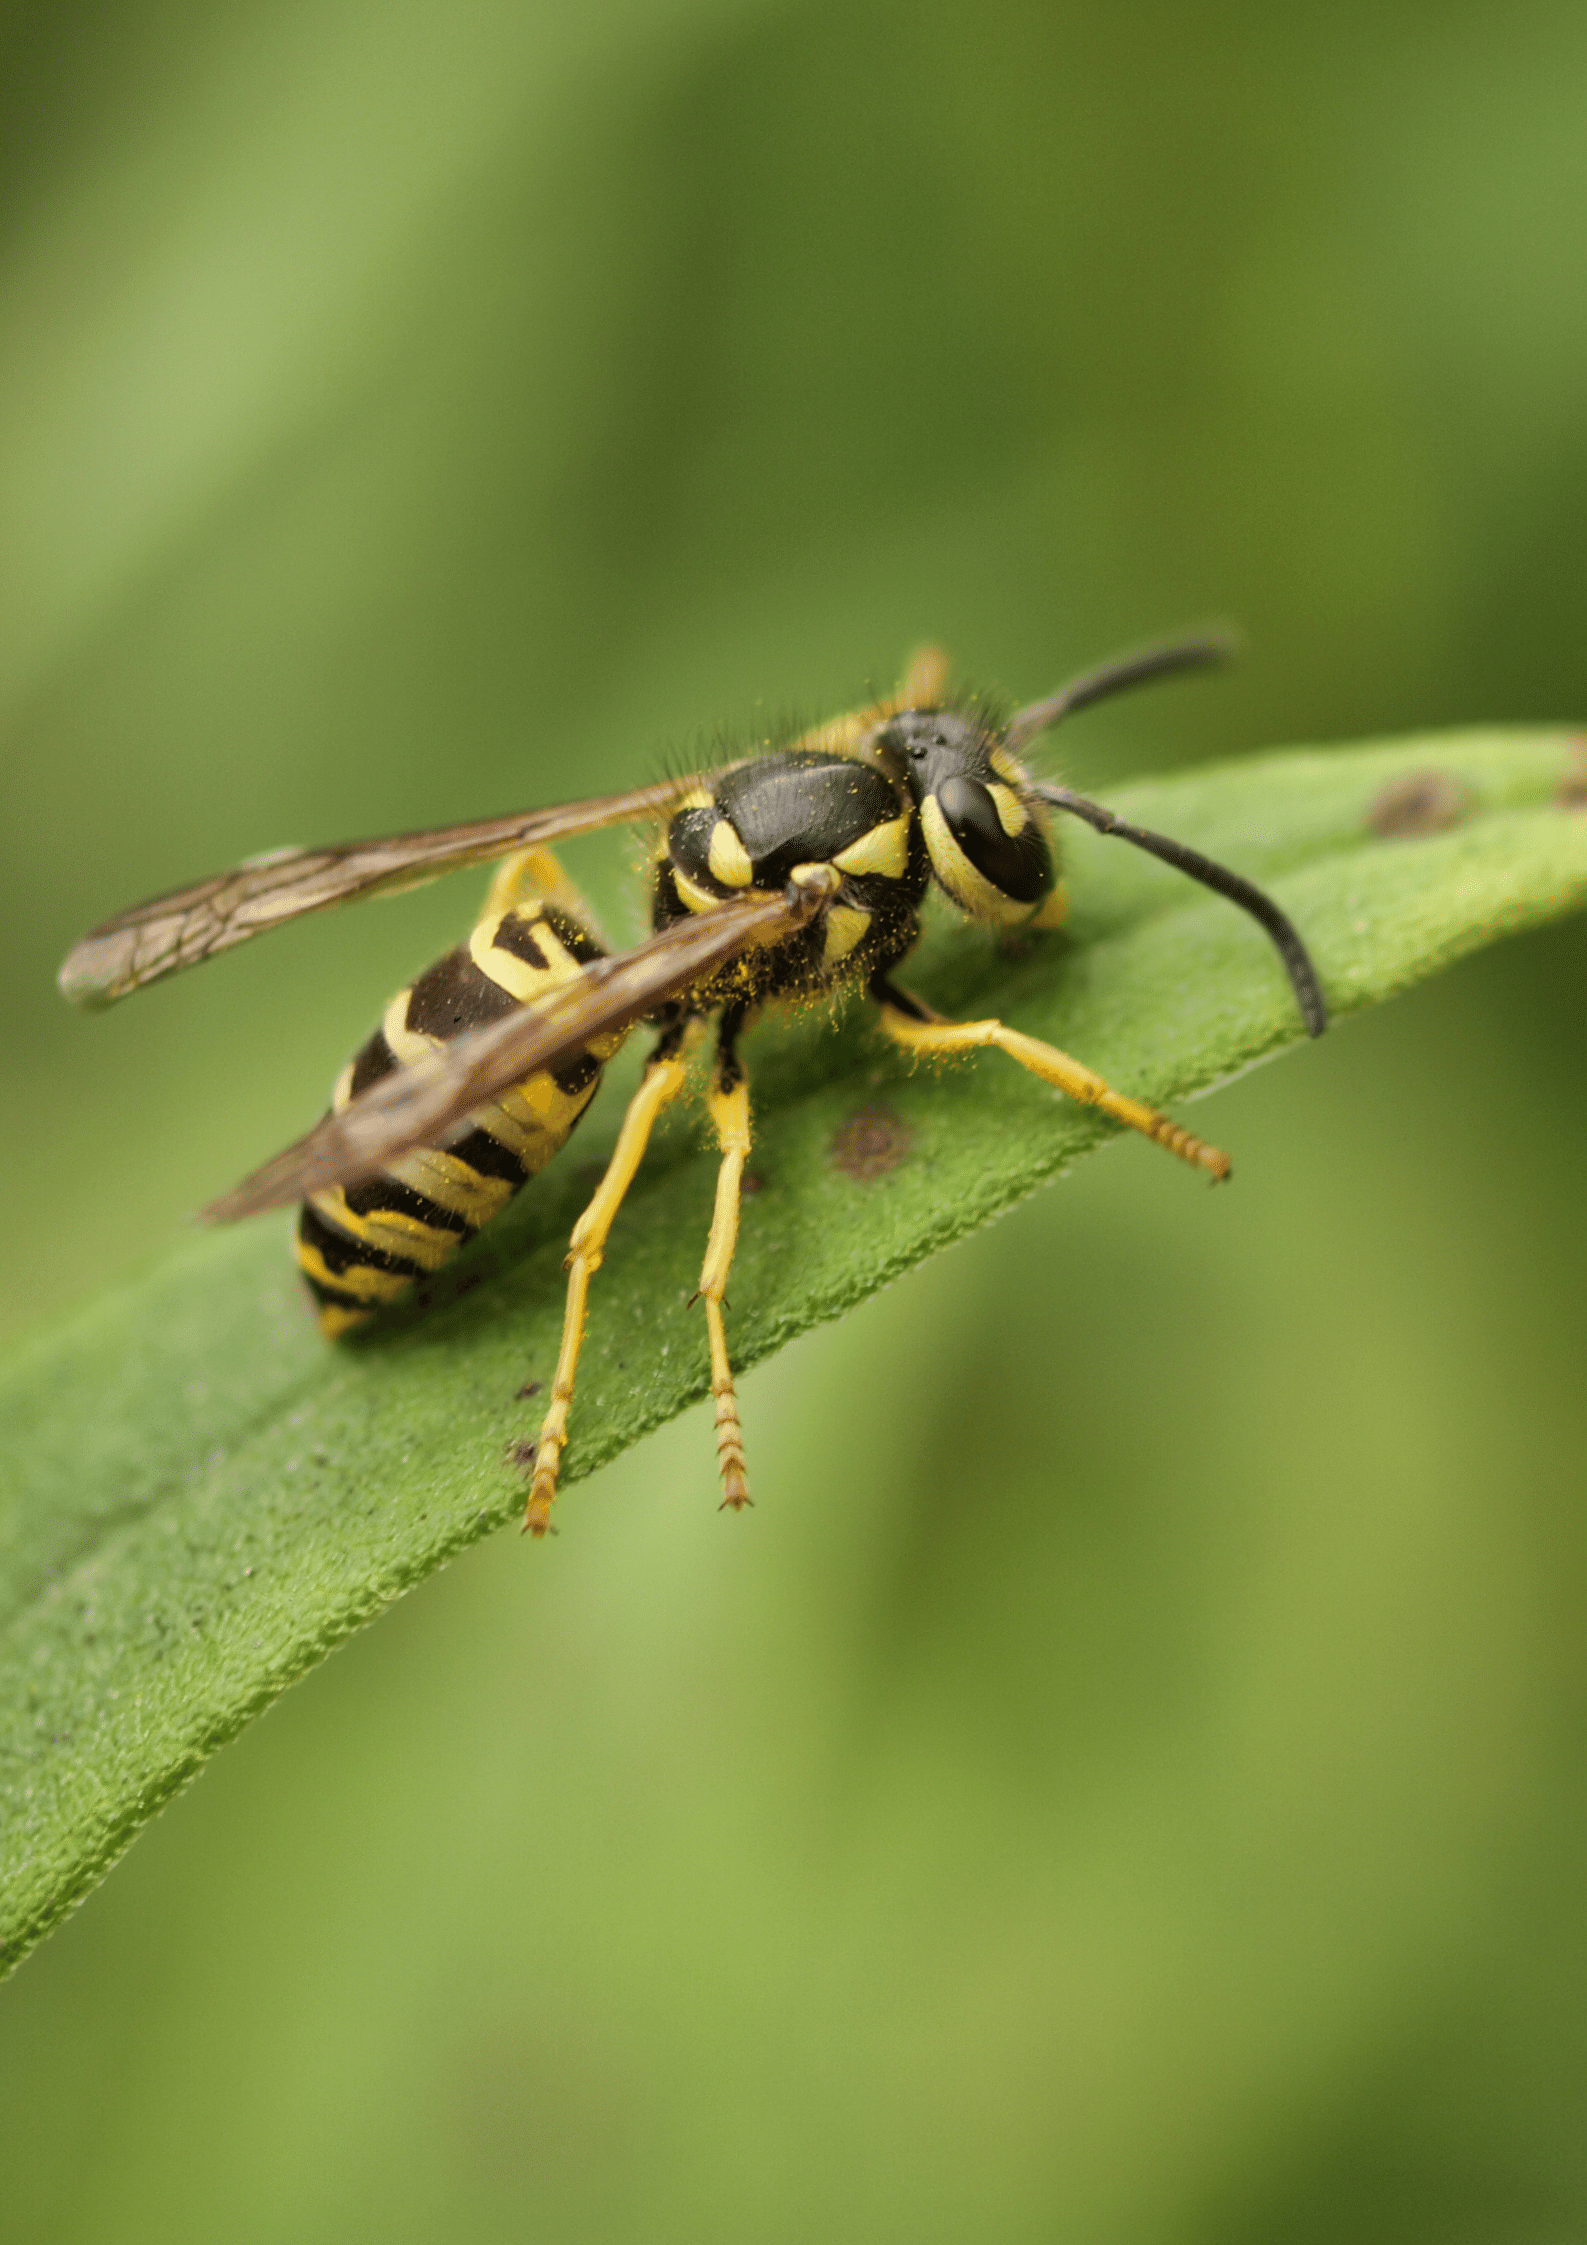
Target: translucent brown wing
pixel 179 930
pixel 419 1105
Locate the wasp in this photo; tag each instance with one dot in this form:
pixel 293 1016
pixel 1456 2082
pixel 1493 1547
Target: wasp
pixel 788 874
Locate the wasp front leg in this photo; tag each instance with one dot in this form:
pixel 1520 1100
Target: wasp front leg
pixel 913 1025
pixel 729 1106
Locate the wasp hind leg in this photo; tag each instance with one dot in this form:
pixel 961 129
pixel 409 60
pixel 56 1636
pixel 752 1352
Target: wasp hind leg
pixel 918 1029
pixel 536 876
pixel 729 1105
pixel 662 1081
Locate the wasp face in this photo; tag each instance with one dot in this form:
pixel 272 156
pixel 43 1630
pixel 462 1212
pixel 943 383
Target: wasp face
pixel 988 847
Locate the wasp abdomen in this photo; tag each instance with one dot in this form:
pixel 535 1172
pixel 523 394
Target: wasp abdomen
pixel 361 1246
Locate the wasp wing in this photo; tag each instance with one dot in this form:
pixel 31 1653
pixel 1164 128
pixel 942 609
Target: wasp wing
pixel 189 925
pixel 421 1104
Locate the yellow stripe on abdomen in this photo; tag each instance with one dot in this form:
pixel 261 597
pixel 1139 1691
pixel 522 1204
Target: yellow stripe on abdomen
pixel 363 1246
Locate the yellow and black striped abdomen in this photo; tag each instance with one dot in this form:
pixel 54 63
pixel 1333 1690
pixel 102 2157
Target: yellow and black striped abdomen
pixel 361 1246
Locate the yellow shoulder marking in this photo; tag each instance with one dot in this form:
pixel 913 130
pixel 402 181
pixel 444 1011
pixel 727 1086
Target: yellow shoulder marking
pixel 845 927
pixel 884 850
pixel 728 858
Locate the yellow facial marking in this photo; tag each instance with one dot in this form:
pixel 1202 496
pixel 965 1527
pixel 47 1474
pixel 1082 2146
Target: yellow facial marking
pixel 1053 911
pixel 1011 812
pixel 884 850
pixel 966 883
pixel 845 927
pixel 728 858
pixel 1007 767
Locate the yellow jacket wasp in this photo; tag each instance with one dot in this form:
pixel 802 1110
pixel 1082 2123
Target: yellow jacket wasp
pixel 790 873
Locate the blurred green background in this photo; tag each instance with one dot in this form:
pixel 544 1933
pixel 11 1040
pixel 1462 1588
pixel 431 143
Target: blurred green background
pixel 1124 1781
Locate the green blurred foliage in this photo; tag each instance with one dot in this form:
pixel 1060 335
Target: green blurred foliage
pixel 1124 1780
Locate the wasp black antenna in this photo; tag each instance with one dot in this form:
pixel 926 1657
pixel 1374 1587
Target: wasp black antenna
pixel 1212 875
pixel 1165 660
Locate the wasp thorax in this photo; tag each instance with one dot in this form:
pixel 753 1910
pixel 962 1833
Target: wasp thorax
pixel 988 846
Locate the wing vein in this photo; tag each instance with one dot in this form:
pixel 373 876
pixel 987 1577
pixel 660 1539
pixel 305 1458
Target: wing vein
pixel 418 1105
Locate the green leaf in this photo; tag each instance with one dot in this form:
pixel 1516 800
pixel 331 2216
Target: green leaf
pixel 201 1498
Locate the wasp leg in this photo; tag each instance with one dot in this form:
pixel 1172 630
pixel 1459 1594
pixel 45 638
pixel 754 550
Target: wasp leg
pixel 729 1105
pixel 925 682
pixel 538 874
pixel 662 1081
pixel 918 1029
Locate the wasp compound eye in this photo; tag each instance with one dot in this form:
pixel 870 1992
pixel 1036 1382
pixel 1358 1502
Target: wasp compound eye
pixel 998 836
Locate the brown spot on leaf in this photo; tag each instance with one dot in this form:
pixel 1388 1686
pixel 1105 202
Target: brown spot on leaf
pixel 521 1453
pixel 750 1185
pixel 1572 794
pixel 872 1141
pixel 1418 803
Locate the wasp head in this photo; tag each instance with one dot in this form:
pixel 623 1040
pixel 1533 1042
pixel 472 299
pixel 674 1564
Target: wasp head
pixel 983 827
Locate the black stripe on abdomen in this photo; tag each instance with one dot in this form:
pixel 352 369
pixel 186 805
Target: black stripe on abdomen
pixel 363 1246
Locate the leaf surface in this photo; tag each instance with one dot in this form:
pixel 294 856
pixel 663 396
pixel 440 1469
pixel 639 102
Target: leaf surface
pixel 199 1498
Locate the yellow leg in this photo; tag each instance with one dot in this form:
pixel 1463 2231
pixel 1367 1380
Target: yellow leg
pixel 923 683
pixel 538 873
pixel 662 1082
pixel 940 1038
pixel 730 1113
